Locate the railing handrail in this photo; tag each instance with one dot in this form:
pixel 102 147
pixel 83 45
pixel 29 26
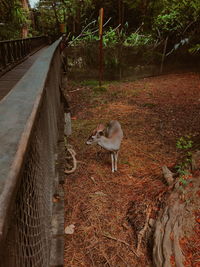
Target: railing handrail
pixel 12 52
pixel 18 111
pixel 29 38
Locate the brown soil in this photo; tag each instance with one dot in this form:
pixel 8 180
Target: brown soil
pixel 108 210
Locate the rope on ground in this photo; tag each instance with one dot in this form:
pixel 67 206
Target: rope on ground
pixel 74 165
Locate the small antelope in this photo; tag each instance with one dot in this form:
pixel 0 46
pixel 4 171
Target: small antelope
pixel 109 138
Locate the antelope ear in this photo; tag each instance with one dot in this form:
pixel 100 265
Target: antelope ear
pixel 100 127
pixel 101 133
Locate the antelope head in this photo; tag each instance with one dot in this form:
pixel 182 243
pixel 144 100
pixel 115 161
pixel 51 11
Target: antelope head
pixel 96 134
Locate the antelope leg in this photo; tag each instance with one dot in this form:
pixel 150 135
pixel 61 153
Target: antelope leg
pixel 112 160
pixel 116 158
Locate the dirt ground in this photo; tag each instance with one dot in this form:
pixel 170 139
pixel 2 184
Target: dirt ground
pixel 108 210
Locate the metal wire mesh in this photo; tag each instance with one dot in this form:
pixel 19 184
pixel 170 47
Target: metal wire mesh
pixel 28 240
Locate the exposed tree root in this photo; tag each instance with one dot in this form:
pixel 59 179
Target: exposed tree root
pixel 168 232
pixel 169 227
pixel 168 175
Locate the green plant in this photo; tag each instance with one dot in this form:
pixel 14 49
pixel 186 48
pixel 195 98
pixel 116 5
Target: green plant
pixel 136 39
pixel 195 49
pixel 183 169
pixel 99 89
pixel 90 83
pixel 110 38
pixel 13 18
pixel 168 22
pixel 184 142
pixel 113 37
pixel 175 18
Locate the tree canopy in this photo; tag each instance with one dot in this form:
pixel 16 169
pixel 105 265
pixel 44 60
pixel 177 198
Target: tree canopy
pixel 13 17
pixel 175 19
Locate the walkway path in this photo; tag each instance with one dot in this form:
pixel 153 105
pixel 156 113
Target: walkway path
pixel 9 80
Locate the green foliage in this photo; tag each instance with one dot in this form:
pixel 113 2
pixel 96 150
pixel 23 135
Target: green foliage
pixel 176 17
pixel 142 22
pixel 110 38
pixel 90 83
pixel 133 4
pixel 13 18
pixel 167 23
pixel 157 18
pixel 99 89
pixel 136 39
pixel 184 142
pixel 19 14
pixel 195 49
pixel 87 38
pixel 183 168
pixel 113 37
pixel 53 13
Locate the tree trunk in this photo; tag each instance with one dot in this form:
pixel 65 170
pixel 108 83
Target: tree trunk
pixel 56 15
pixel 24 31
pixel 119 12
pixel 78 19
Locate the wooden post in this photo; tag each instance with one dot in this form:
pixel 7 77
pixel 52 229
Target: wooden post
pixel 101 13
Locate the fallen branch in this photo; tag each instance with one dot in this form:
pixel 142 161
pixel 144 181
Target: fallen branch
pixel 123 260
pixel 116 239
pixel 75 90
pixel 91 258
pixel 78 89
pixel 93 180
pixel 82 32
pixel 121 241
pixel 92 22
pixel 143 231
pixel 98 29
pixel 137 30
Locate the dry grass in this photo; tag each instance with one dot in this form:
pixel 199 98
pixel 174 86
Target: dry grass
pixel 101 204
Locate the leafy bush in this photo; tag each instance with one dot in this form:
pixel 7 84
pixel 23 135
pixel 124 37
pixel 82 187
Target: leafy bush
pixel 195 49
pixel 13 18
pixel 167 23
pixel 113 37
pixel 110 38
pixel 184 142
pixel 176 18
pixel 136 39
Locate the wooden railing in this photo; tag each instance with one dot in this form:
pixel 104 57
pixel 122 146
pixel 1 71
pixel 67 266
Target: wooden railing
pixel 30 126
pixel 13 51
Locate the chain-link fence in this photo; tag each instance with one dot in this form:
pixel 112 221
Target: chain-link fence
pixel 28 173
pixel 127 63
